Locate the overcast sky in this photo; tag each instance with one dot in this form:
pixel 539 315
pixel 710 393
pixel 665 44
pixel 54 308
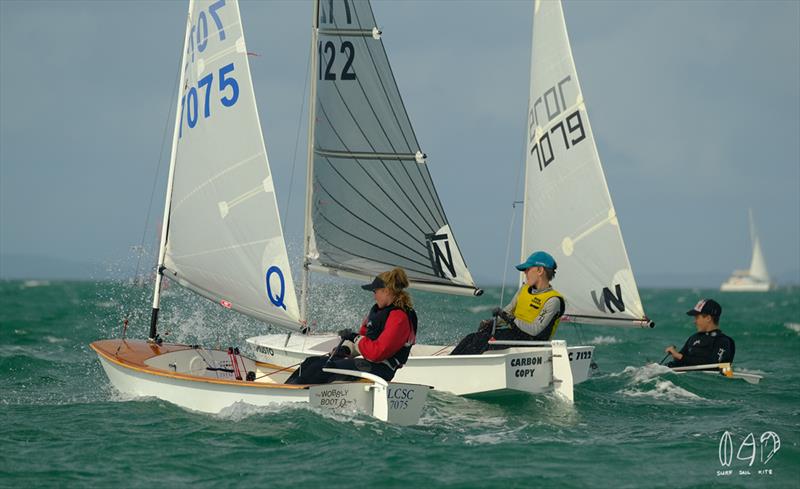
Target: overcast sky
pixel 695 107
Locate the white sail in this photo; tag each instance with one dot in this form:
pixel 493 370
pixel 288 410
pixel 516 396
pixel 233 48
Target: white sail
pixel 224 237
pixel 758 267
pixel 568 210
pixel 373 205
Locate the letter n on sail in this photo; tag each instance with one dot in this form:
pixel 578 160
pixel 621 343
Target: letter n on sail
pixel 438 257
pixel 609 299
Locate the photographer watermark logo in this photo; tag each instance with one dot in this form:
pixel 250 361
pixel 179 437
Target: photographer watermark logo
pixel 748 453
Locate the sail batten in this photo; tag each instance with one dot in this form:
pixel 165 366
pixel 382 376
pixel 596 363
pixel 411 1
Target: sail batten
pixel 372 201
pixel 367 156
pixel 568 210
pixel 465 290
pixel 350 32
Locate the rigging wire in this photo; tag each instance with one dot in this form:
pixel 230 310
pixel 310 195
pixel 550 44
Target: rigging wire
pixel 160 164
pixel 513 210
pixel 296 144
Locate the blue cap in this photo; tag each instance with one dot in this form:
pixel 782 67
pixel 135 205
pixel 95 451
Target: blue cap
pixel 538 259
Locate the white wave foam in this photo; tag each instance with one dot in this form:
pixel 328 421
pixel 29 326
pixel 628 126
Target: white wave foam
pixel 241 410
pixel 493 437
pixel 604 340
pixel 664 390
pixel 793 326
pixel 643 373
pixel 477 309
pixel 53 339
pixel 34 283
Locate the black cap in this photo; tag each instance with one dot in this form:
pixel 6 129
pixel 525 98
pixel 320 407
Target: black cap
pixel 376 284
pixel 706 306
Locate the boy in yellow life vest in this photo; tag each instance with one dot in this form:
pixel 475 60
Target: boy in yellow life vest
pixel 533 313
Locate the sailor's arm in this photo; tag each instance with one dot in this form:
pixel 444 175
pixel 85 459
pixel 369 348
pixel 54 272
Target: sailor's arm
pixel 676 355
pixel 513 304
pixel 395 334
pixel 509 309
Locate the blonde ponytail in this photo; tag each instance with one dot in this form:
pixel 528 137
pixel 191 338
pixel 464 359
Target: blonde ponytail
pixel 396 280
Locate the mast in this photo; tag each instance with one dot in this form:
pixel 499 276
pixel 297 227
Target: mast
pixel 312 110
pixel 162 248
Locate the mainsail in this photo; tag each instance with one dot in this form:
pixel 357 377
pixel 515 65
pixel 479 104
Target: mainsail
pixel 372 203
pixel 224 238
pixel 568 210
pixel 758 266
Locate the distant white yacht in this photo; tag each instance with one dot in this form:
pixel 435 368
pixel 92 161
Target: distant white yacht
pixel 754 279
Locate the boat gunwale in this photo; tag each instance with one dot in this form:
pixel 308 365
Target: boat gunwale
pixel 144 368
pixel 485 355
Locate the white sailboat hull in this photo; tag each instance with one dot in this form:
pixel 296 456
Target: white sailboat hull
pixel 519 369
pixel 190 394
pixel 178 374
pixel 745 284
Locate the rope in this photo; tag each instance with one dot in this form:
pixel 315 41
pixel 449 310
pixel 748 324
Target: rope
pixel 279 370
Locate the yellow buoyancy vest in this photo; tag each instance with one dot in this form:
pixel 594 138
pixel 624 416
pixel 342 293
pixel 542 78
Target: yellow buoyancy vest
pixel 530 305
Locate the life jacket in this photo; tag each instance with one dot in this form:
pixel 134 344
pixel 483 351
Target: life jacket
pixel 529 305
pixel 376 322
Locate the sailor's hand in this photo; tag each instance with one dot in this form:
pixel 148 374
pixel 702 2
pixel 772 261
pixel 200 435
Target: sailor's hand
pixel 347 334
pixel 503 314
pixel 671 350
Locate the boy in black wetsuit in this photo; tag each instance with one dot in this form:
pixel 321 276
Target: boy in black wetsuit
pixel 709 344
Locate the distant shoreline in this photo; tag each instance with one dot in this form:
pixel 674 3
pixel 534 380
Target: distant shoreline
pixel 33 267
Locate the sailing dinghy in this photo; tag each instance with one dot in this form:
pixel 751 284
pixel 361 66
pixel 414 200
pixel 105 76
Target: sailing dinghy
pixel 222 239
pixel 756 278
pixel 568 212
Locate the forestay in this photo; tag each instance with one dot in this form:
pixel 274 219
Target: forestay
pixel 373 204
pixel 224 238
pixel 568 210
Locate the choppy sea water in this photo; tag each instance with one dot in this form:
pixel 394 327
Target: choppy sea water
pixel 631 426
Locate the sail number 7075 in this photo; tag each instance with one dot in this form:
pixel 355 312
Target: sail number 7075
pixel 199 38
pixel 190 105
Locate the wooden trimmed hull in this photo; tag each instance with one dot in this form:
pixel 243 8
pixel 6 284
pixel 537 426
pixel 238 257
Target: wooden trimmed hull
pixel 191 378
